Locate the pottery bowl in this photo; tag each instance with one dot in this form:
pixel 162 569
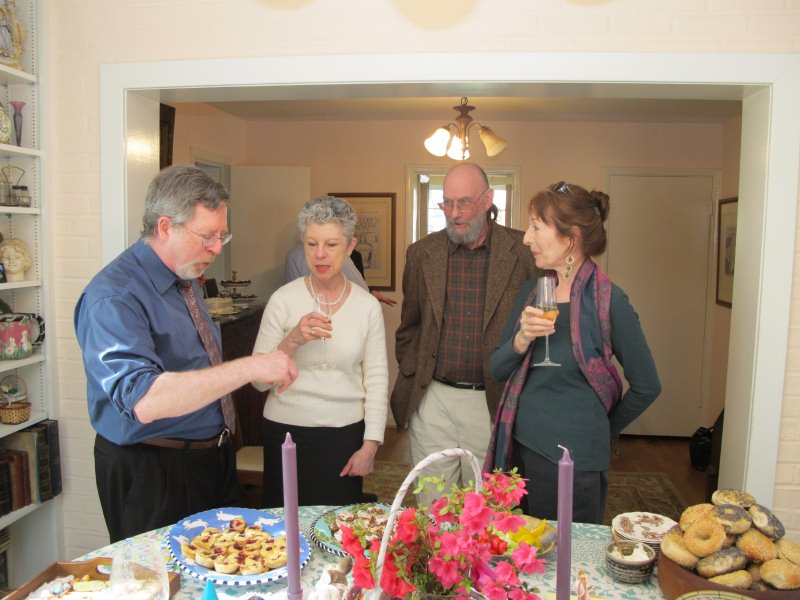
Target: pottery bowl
pixel 627 570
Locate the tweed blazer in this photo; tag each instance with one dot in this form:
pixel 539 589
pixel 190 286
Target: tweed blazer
pixel 424 282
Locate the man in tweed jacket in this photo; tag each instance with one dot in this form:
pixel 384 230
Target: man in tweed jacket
pixel 458 288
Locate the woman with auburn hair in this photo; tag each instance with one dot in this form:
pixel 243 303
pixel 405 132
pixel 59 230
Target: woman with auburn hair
pixel 578 404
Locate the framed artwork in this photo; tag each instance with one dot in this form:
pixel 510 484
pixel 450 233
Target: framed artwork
pixel 726 249
pixel 375 233
pixel 12 35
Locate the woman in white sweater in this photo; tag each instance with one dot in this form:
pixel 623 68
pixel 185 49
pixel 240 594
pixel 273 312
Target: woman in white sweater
pixel 336 409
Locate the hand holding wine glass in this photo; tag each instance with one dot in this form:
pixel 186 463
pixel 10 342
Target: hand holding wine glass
pixel 323 306
pixel 545 300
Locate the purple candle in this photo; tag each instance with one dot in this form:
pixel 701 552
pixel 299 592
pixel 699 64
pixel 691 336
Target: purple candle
pixel 291 518
pixel 564 555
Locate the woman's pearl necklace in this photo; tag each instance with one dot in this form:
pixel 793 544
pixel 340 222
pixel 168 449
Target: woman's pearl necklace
pixel 319 298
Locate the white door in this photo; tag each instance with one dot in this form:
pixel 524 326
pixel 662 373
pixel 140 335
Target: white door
pixel 659 235
pixel 264 206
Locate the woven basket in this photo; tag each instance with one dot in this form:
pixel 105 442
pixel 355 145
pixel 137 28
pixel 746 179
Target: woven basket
pixel 14 407
pixel 401 494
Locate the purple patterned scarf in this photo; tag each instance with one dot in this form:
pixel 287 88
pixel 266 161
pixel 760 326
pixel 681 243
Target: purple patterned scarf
pixel 590 328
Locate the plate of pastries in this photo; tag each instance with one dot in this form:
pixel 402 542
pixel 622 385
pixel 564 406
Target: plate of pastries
pixel 233 546
pixel 371 517
pixel 731 544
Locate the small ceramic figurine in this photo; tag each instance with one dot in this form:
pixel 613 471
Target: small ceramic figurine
pixel 582 588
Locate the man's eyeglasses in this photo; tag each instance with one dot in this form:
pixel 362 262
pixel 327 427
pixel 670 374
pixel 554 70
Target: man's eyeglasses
pixel 209 240
pixel 562 187
pixel 463 204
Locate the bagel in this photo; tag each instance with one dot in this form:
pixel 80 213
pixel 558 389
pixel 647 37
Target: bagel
pixel 694 512
pixel 730 540
pixel 781 574
pixel 704 537
pixel 756 546
pixel 733 518
pixel 719 563
pixel 789 550
pixel 738 579
pixel 735 497
pixel 672 546
pixel 766 521
pixel 755 571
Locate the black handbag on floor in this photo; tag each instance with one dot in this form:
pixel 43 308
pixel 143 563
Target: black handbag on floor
pixel 700 448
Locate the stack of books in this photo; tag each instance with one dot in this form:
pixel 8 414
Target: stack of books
pixel 30 466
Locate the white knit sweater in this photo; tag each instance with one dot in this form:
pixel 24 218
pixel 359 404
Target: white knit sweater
pixel 356 384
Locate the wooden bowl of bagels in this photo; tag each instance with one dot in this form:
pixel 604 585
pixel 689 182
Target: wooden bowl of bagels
pixel 731 544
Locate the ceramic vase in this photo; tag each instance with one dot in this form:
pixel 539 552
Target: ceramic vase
pixel 18 104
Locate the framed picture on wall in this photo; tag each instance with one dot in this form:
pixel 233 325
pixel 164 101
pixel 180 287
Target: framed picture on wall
pixel 375 233
pixel 726 249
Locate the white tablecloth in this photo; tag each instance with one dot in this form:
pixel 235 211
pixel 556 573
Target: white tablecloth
pixel 588 544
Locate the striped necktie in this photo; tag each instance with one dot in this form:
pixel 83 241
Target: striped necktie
pixel 214 354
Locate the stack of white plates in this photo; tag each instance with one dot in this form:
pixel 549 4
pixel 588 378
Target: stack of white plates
pixel 645 527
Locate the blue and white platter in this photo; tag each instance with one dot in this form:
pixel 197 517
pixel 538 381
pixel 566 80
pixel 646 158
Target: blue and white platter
pixel 190 527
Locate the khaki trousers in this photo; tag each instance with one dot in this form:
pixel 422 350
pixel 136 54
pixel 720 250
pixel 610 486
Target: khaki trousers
pixel 449 418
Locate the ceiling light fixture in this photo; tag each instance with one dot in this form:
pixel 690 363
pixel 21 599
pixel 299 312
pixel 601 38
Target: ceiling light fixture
pixel 453 139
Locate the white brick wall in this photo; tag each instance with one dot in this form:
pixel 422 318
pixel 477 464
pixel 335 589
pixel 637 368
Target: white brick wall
pixel 83 34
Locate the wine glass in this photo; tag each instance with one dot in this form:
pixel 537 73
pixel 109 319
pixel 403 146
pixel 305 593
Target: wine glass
pixel 545 301
pixel 322 306
pixel 139 571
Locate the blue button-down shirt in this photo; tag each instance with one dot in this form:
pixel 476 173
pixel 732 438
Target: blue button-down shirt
pixel 133 325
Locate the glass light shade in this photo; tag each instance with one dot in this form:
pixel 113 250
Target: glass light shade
pixel 437 143
pixel 493 142
pixel 454 150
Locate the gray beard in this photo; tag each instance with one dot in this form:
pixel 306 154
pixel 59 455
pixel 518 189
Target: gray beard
pixel 472 233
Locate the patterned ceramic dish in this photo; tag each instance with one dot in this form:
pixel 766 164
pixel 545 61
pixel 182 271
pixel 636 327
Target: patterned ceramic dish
pixel 630 571
pixel 191 526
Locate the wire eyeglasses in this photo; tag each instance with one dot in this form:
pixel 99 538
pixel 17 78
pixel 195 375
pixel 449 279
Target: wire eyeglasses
pixel 209 240
pixel 463 204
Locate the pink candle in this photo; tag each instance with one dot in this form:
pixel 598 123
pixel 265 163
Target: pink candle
pixel 291 517
pixel 564 555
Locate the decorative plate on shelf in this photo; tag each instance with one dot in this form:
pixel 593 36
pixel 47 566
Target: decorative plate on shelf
pixel 371 515
pixel 187 529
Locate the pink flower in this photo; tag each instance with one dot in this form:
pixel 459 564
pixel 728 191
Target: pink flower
pixel 407 530
pixel 510 523
pixel 446 571
pixel 525 559
pixel 476 516
pixel 506 574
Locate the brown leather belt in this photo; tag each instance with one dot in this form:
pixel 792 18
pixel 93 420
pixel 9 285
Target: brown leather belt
pixel 462 385
pixel 216 441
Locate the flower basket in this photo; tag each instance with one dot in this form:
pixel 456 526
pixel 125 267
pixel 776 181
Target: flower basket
pixel 14 407
pixel 401 494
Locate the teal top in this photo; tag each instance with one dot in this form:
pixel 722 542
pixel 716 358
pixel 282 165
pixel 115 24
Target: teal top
pixel 558 406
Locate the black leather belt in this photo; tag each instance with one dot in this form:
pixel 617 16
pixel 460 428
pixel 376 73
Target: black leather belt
pixel 462 385
pixel 216 441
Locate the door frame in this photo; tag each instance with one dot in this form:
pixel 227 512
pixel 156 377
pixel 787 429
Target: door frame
pixel 708 331
pixel 767 84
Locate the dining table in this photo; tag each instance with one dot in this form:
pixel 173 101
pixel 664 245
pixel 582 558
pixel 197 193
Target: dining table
pixel 588 553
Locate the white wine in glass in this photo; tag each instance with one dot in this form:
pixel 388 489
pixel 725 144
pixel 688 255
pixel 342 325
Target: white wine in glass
pixel 545 301
pixel 324 308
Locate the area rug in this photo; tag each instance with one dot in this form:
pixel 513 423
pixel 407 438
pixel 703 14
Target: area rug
pixel 648 492
pixel 627 491
pixel 386 480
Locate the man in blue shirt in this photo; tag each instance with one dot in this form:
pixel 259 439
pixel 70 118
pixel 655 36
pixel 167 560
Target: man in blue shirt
pixel 154 393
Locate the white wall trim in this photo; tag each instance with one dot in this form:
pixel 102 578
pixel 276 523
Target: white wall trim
pixel 768 178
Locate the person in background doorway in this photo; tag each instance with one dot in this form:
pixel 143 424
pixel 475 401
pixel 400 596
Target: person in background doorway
pixel 336 411
pixel 157 392
pixel 458 287
pixel 578 404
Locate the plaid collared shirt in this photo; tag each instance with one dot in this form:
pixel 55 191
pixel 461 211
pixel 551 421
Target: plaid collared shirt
pixel 460 354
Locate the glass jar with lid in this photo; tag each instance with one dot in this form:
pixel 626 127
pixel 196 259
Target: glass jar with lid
pixel 20 196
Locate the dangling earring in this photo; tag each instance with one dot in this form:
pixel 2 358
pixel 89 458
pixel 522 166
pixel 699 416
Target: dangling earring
pixel 570 262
